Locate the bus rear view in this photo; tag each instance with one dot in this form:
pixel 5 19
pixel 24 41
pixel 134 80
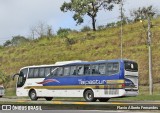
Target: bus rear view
pixel 131 78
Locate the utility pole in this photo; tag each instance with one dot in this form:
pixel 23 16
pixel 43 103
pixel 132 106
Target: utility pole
pixel 150 56
pixel 121 8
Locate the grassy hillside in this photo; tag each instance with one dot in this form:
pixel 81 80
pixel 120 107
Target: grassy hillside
pixel 91 46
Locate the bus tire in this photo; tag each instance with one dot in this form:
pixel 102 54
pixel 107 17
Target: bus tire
pixel 103 99
pixel 33 95
pixel 48 98
pixel 89 96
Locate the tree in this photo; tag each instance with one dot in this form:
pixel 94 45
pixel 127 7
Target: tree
pixel 17 40
pixel 49 31
pixel 124 18
pixel 62 32
pixel 113 24
pixel 143 13
pixel 87 7
pixel 7 43
pixel 41 30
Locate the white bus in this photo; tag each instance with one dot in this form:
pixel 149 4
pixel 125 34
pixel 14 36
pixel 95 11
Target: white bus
pixel 100 80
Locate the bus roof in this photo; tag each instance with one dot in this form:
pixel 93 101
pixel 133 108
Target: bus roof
pixel 56 64
pixel 76 62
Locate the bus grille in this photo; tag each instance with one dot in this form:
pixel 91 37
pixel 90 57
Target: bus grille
pixel 111 91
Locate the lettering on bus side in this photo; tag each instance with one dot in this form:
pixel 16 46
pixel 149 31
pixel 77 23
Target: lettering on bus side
pixel 84 82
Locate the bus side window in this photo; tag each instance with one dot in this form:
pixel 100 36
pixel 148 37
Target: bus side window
pixel 47 71
pixel 95 70
pixel 54 72
pixel 80 70
pixel 66 71
pixel 87 70
pixel 60 71
pixel 73 70
pixel 52 69
pixel 102 69
pixel 36 70
pixel 30 75
pixel 41 72
pixel 112 68
pixel 116 67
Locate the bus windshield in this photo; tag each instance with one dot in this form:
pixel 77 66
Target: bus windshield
pixel 131 66
pixel 22 77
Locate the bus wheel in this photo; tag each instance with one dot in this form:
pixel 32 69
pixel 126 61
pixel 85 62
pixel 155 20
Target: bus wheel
pixel 89 96
pixel 33 95
pixel 48 98
pixel 103 99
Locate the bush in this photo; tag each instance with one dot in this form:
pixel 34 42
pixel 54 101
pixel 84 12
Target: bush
pixel 4 79
pixel 7 43
pixel 63 32
pixel 16 40
pixel 85 28
pixel 102 27
pixel 113 24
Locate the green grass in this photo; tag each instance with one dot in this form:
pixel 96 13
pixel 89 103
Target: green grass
pixel 10 92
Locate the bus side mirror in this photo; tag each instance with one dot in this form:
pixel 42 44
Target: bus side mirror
pixel 17 74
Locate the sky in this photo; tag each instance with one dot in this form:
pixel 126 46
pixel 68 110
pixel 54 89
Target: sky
pixel 17 17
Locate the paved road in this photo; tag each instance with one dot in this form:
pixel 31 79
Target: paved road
pixel 63 101
pixel 76 106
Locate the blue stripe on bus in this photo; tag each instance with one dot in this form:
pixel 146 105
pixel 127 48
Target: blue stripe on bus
pixel 81 80
pixel 90 80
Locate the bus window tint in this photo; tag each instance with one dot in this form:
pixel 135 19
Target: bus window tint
pixel 24 72
pixel 47 71
pixel 73 70
pixel 30 75
pixel 41 72
pixel 22 77
pixel 95 70
pixel 66 71
pixel 53 72
pixel 52 69
pixel 60 71
pixel 87 70
pixel 116 67
pixel 80 70
pixel 102 69
pixel 112 68
pixel 36 72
